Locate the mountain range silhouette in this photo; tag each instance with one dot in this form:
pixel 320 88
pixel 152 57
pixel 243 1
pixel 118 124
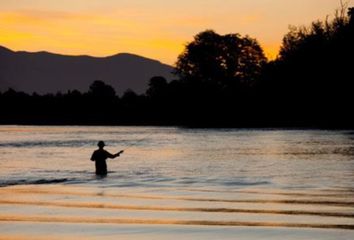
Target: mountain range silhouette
pixel 45 72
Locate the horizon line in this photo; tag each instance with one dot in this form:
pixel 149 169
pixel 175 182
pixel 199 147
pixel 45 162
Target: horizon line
pixel 84 55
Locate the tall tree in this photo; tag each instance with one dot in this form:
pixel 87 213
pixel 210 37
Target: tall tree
pixel 314 59
pixel 157 87
pixel 312 78
pixel 223 60
pixel 100 89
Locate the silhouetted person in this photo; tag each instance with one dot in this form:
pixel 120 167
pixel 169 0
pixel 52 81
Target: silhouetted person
pixel 100 156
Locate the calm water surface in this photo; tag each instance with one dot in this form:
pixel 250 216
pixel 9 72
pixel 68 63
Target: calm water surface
pixel 297 181
pixel 173 157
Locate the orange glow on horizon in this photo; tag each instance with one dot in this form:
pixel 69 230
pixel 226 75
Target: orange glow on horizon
pixel 152 29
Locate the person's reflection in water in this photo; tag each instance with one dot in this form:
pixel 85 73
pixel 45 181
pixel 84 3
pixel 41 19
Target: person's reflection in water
pixel 100 156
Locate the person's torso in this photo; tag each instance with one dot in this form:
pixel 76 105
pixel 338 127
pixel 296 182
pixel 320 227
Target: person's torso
pixel 100 155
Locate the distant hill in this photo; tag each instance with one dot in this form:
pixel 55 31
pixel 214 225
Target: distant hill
pixel 45 72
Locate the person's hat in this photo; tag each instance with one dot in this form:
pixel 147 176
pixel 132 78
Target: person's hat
pixel 101 144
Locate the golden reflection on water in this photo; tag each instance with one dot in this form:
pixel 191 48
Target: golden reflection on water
pixel 67 206
pixel 91 220
pixel 60 197
pixel 168 208
pixel 242 178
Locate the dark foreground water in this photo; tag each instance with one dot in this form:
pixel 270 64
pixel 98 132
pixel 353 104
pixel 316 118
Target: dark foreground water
pixel 176 183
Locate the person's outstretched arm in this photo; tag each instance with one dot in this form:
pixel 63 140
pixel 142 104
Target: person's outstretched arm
pixel 109 155
pixel 118 153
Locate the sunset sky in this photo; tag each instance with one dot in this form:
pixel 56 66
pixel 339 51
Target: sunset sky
pixel 156 29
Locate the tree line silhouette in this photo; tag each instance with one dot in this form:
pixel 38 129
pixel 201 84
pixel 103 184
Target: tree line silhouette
pixel 223 81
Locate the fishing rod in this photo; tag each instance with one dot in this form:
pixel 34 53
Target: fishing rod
pixel 137 141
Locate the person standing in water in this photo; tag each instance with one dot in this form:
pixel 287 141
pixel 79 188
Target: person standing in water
pixel 100 156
